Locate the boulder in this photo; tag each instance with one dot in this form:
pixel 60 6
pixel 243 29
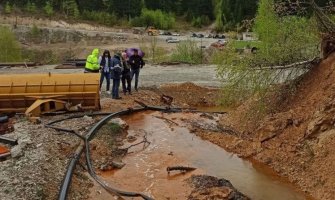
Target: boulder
pixel 119 121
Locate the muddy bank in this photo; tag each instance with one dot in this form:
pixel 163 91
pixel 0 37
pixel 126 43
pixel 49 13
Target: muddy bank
pixel 171 144
pixel 295 138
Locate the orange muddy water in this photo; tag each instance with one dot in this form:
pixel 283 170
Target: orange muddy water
pixel 173 145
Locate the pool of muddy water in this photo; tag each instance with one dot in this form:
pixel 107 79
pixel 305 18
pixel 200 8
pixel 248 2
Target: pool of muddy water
pixel 173 145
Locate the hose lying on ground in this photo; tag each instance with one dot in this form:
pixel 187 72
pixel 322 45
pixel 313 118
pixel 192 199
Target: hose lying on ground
pixel 85 146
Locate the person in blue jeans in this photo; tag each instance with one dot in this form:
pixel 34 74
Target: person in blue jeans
pixel 105 62
pixel 136 63
pixel 116 72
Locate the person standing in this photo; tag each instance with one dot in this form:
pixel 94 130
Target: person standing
pixel 92 62
pixel 105 68
pixel 136 62
pixel 116 71
pixel 126 75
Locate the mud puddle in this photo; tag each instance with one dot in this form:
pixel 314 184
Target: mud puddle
pixel 173 145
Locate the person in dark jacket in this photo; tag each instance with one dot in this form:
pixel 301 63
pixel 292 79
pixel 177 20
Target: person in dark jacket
pixel 116 71
pixel 126 75
pixel 105 69
pixel 136 62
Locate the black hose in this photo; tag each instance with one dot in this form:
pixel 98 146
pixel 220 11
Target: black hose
pixel 68 176
pixel 51 124
pixel 91 134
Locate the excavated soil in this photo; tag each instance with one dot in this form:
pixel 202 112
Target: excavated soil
pixel 296 139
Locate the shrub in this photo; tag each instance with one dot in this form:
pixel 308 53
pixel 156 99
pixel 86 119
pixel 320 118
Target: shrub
pixel 115 128
pixel 48 9
pixel 100 17
pixel 8 8
pixel 187 51
pixel 9 47
pixel 31 7
pixel 35 31
pixel 155 18
pixel 201 21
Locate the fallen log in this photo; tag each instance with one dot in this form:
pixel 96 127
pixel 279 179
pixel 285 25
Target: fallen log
pixel 293 65
pixel 180 168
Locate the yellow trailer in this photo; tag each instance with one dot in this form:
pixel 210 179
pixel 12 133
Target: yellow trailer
pixel 36 94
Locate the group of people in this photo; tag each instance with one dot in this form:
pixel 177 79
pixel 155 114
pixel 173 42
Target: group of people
pixel 119 68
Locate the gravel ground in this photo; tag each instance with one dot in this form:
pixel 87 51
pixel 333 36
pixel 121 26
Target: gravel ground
pixel 38 164
pixel 151 75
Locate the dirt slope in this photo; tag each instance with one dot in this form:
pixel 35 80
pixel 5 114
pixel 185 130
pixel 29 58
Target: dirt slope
pixel 298 139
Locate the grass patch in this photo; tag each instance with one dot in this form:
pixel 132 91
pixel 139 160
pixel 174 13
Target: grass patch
pixel 115 128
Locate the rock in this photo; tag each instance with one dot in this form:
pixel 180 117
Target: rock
pixel 16 152
pixel 117 164
pixel 87 118
pixel 131 138
pixel 105 167
pixel 119 121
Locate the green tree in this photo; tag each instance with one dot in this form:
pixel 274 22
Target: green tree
pixel 284 40
pixel 267 24
pixel 70 8
pixel 48 9
pixel 9 48
pixel 8 8
pixel 31 7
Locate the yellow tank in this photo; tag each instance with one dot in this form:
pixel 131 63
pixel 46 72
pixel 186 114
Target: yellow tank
pixel 47 92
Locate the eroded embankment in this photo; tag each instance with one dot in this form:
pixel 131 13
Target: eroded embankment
pixel 297 138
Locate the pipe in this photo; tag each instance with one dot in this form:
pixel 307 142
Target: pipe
pixel 91 134
pixel 68 176
pixel 7 140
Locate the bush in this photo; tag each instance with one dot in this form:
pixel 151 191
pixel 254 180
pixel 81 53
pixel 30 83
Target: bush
pixel 100 17
pixel 155 18
pixel 201 21
pixel 115 128
pixel 48 9
pixel 8 8
pixel 31 7
pixel 9 47
pixel 187 51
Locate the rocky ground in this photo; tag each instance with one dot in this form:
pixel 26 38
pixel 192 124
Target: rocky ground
pixel 39 161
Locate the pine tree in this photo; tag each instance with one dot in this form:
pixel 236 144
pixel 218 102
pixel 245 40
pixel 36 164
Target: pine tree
pixel 8 8
pixel 48 9
pixel 31 7
pixel 70 8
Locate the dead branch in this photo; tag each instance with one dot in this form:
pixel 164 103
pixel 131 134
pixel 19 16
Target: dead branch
pixel 144 141
pixel 167 120
pixel 302 64
pixel 180 168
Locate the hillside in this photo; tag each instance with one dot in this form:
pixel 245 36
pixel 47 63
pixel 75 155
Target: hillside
pixel 298 139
